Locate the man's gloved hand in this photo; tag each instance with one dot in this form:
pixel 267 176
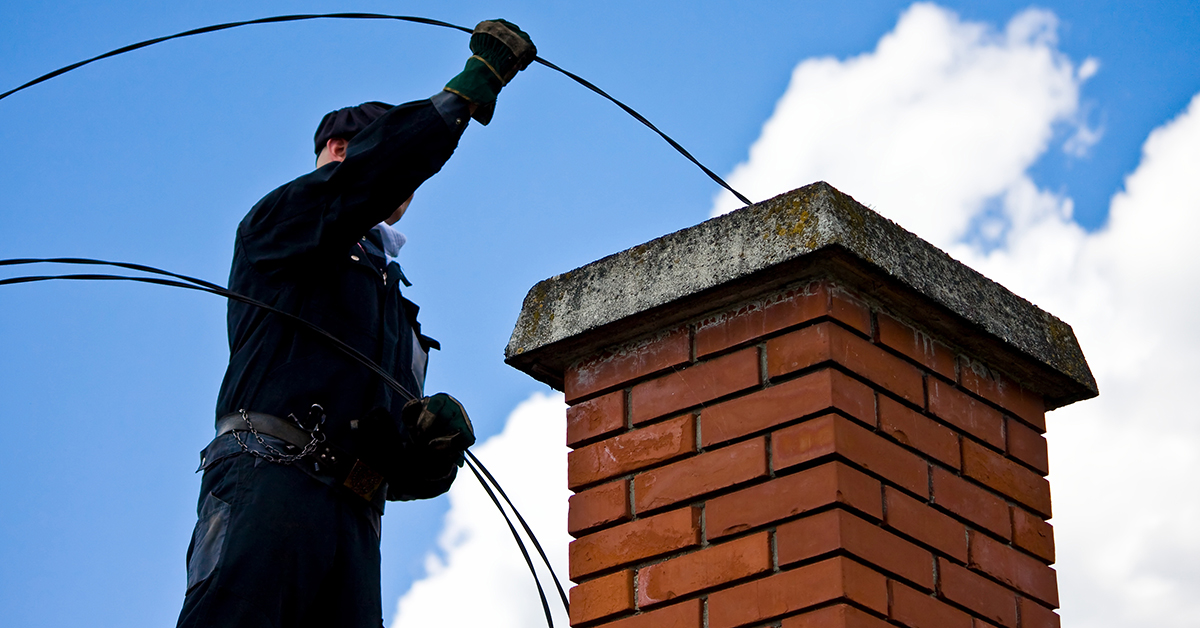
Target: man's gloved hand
pixel 501 49
pixel 439 423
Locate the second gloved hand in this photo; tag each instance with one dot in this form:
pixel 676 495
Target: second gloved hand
pixel 439 423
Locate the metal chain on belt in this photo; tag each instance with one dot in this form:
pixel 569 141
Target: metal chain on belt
pixel 273 454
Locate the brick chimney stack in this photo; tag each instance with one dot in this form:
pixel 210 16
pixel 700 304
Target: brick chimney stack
pixel 800 415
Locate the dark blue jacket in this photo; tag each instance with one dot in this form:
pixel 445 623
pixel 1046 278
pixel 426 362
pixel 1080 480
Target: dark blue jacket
pixel 301 249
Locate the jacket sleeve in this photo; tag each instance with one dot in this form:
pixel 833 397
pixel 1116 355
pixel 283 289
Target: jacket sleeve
pixel 322 214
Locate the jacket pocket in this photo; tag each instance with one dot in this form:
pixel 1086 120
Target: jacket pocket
pixel 208 540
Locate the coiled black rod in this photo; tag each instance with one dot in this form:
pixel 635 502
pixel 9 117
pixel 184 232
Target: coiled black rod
pixel 375 16
pixel 176 280
pixel 192 283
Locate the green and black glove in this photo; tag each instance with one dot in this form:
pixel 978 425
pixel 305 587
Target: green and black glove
pixel 439 423
pixel 501 49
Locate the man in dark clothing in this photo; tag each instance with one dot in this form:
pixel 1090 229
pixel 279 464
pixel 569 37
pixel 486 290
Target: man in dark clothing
pixel 310 442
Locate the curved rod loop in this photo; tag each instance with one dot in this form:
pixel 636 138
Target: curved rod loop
pixel 374 16
pixel 199 285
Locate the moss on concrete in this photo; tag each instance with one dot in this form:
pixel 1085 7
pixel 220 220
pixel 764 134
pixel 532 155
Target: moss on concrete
pixel 783 238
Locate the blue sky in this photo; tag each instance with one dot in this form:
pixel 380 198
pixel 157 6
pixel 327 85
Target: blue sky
pixel 153 157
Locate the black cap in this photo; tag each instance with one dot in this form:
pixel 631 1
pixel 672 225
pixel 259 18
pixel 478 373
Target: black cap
pixel 347 122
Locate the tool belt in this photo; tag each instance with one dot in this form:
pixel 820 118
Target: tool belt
pixel 327 463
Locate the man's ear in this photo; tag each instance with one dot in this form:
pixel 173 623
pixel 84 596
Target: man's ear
pixel 337 148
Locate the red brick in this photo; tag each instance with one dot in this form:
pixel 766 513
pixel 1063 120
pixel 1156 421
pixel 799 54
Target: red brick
pixel 760 318
pixel 919 347
pixel 682 615
pixel 1034 615
pixel 839 531
pixel 602 505
pixel 834 435
pixel 1003 392
pixel 631 451
pixel 925 524
pixel 968 414
pixel 829 342
pixel 1019 571
pixel 708 472
pixel 837 616
pixel 1033 534
pixel 596 417
pixel 694 385
pixel 787 496
pixel 919 432
pixel 977 593
pixel 971 502
pixel 634 541
pixel 1026 445
pixel 712 566
pixel 796 590
pixel 603 597
pixel 762 409
pixel 850 310
pixel 921 610
pixel 1006 477
pixel 979 623
pixel 618 366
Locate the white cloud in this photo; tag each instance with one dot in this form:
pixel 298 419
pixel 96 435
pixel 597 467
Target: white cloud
pixel 1088 68
pixel 1082 141
pixel 480 578
pixel 942 116
pixel 937 129
pixel 1085 136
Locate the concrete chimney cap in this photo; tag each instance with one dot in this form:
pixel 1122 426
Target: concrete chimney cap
pixel 808 233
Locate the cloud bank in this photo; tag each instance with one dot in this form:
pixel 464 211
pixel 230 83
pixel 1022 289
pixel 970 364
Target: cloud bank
pixel 937 129
pixel 1128 512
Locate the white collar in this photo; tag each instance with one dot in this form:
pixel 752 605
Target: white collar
pixel 392 240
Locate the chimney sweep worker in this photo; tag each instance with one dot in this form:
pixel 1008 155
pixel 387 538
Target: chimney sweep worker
pixel 310 443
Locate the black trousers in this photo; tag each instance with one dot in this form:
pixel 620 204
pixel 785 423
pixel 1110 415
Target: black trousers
pixel 274 547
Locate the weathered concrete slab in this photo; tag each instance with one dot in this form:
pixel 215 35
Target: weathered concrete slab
pixel 812 231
